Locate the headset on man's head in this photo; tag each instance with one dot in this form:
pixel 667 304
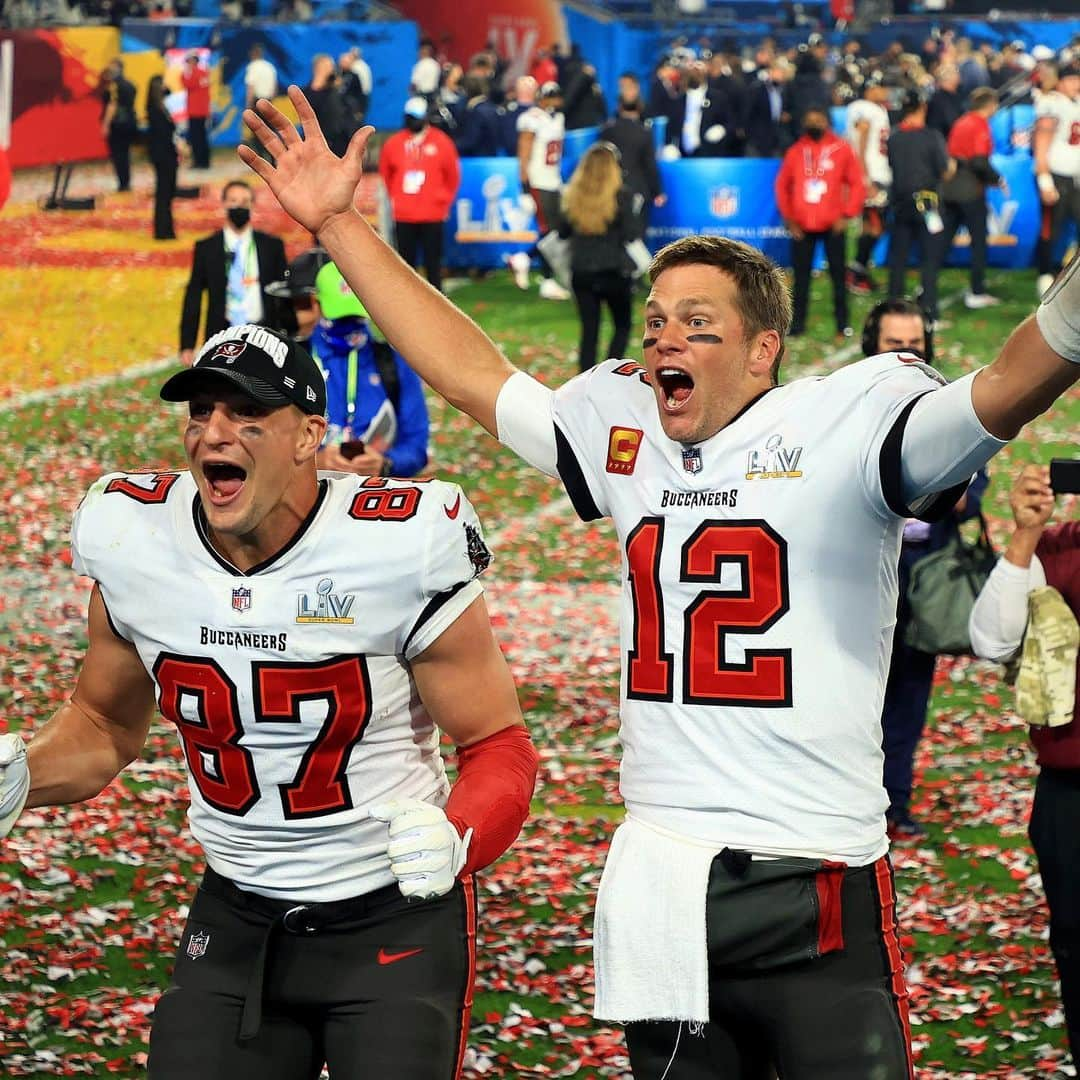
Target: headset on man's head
pixel 872 327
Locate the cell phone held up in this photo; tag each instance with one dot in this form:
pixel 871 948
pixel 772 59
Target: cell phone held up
pixel 1065 476
pixel 351 448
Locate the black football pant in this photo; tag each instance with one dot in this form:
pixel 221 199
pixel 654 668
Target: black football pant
pixel 414 236
pixel 377 987
pixel 802 261
pixel 973 215
pixel 840 1016
pixel 200 142
pixel 1056 841
pixel 120 140
pixel 590 292
pixel 1054 218
pixel 908 227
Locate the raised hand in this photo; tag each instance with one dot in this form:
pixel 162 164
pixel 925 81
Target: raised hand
pixel 310 181
pixel 1031 498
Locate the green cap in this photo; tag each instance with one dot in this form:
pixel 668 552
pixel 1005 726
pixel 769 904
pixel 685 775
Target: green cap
pixel 335 297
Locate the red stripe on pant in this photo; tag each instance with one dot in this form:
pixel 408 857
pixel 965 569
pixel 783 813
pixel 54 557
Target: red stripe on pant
pixel 469 886
pixel 830 883
pixel 890 937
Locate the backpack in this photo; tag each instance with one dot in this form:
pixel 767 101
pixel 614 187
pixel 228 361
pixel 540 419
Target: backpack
pixel 386 366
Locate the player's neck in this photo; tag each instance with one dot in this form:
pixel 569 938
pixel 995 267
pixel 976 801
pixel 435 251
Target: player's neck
pixel 276 531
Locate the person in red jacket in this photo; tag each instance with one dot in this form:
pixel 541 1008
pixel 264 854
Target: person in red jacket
pixel 419 166
pixel 819 189
pixel 196 80
pixel 964 194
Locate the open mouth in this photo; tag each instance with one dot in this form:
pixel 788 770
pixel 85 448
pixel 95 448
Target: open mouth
pixel 224 480
pixel 676 386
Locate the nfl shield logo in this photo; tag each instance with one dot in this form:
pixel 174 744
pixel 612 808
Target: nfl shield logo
pixel 197 943
pixel 691 459
pixel 724 202
pixel 241 599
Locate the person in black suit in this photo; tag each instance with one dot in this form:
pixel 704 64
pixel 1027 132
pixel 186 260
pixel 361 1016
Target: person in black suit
pixel 634 141
pixel 768 114
pixel 233 266
pixel 703 122
pixel 161 146
pixel 118 120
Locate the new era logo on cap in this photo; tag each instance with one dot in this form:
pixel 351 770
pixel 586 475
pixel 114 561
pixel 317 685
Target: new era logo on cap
pixel 265 364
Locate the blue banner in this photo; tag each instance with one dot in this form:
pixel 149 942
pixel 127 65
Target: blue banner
pixel 489 219
pixel 720 197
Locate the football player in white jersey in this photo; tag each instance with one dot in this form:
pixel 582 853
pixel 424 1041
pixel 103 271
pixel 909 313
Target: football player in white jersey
pixel 749 889
pixel 309 635
pixel 541 130
pixel 868 133
pixel 1056 155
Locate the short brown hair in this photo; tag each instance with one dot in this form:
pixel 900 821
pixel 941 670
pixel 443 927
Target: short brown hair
pixel 762 297
pixel 982 96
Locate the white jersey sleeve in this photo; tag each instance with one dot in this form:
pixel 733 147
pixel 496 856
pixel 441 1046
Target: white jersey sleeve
pixel 999 618
pixel 455 555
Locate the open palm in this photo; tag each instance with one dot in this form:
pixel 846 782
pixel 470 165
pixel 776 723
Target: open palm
pixel 309 180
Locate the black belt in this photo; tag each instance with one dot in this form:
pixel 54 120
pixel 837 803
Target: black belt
pixel 302 920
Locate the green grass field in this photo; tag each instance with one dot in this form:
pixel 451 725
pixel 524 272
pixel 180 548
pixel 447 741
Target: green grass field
pixel 92 898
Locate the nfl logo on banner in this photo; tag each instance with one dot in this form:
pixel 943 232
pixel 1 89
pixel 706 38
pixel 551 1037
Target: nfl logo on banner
pixel 241 599
pixel 197 943
pixel 724 202
pixel 691 459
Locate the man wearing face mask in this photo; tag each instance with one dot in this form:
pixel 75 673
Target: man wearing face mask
pixel 819 189
pixel 420 168
pixel 234 266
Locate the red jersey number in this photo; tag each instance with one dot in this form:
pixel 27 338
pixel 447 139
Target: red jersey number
pixel 211 730
pixel 763 678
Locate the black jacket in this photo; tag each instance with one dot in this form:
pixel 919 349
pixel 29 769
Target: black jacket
pixel 209 274
pixel 765 136
pixel 606 252
pixel 479 132
pixel 635 142
pixel 716 109
pixel 159 137
pixel 944 109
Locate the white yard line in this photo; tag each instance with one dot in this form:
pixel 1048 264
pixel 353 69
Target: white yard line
pixel 36 397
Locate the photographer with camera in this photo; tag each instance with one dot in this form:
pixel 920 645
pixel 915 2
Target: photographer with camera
pixel 378 418
pixel 1016 609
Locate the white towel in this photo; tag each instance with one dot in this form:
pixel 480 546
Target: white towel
pixel 651 948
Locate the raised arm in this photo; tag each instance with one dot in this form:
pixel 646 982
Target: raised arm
pixel 317 188
pixel 1038 363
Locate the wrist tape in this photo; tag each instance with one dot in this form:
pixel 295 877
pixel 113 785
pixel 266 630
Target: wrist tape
pixel 1058 315
pixel 1046 183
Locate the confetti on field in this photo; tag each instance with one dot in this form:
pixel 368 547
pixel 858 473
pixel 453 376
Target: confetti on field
pixel 92 898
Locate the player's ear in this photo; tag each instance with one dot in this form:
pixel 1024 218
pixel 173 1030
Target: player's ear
pixel 309 436
pixel 764 349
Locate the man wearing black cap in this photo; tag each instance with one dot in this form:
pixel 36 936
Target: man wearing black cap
pixel 308 636
pixel 298 287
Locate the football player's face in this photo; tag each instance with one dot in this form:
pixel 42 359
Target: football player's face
pixel 695 353
pixel 902 333
pixel 246 459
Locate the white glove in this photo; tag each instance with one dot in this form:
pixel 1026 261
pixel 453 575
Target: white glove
pixel 14 780
pixel 426 853
pixel 715 133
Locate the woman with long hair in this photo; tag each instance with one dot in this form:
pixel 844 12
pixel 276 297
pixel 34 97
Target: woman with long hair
pixel 161 145
pixel 598 220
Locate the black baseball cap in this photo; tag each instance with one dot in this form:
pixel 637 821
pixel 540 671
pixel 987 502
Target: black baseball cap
pixel 300 275
pixel 268 366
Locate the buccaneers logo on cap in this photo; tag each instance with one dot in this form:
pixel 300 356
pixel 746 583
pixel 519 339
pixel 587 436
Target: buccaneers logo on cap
pixel 230 350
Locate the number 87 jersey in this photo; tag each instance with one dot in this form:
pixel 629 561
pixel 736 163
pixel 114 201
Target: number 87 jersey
pixel 758 600
pixel 289 684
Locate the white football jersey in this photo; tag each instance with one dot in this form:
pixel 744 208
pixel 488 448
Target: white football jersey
pixel 758 602
pixel 545 159
pixel 1064 153
pixel 877 157
pixel 289 684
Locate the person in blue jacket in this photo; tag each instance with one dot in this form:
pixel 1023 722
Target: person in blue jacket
pixel 378 418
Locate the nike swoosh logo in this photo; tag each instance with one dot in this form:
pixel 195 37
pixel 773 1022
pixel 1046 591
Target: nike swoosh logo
pixel 393 957
pixel 452 511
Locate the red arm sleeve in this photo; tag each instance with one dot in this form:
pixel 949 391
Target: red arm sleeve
pixel 495 783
